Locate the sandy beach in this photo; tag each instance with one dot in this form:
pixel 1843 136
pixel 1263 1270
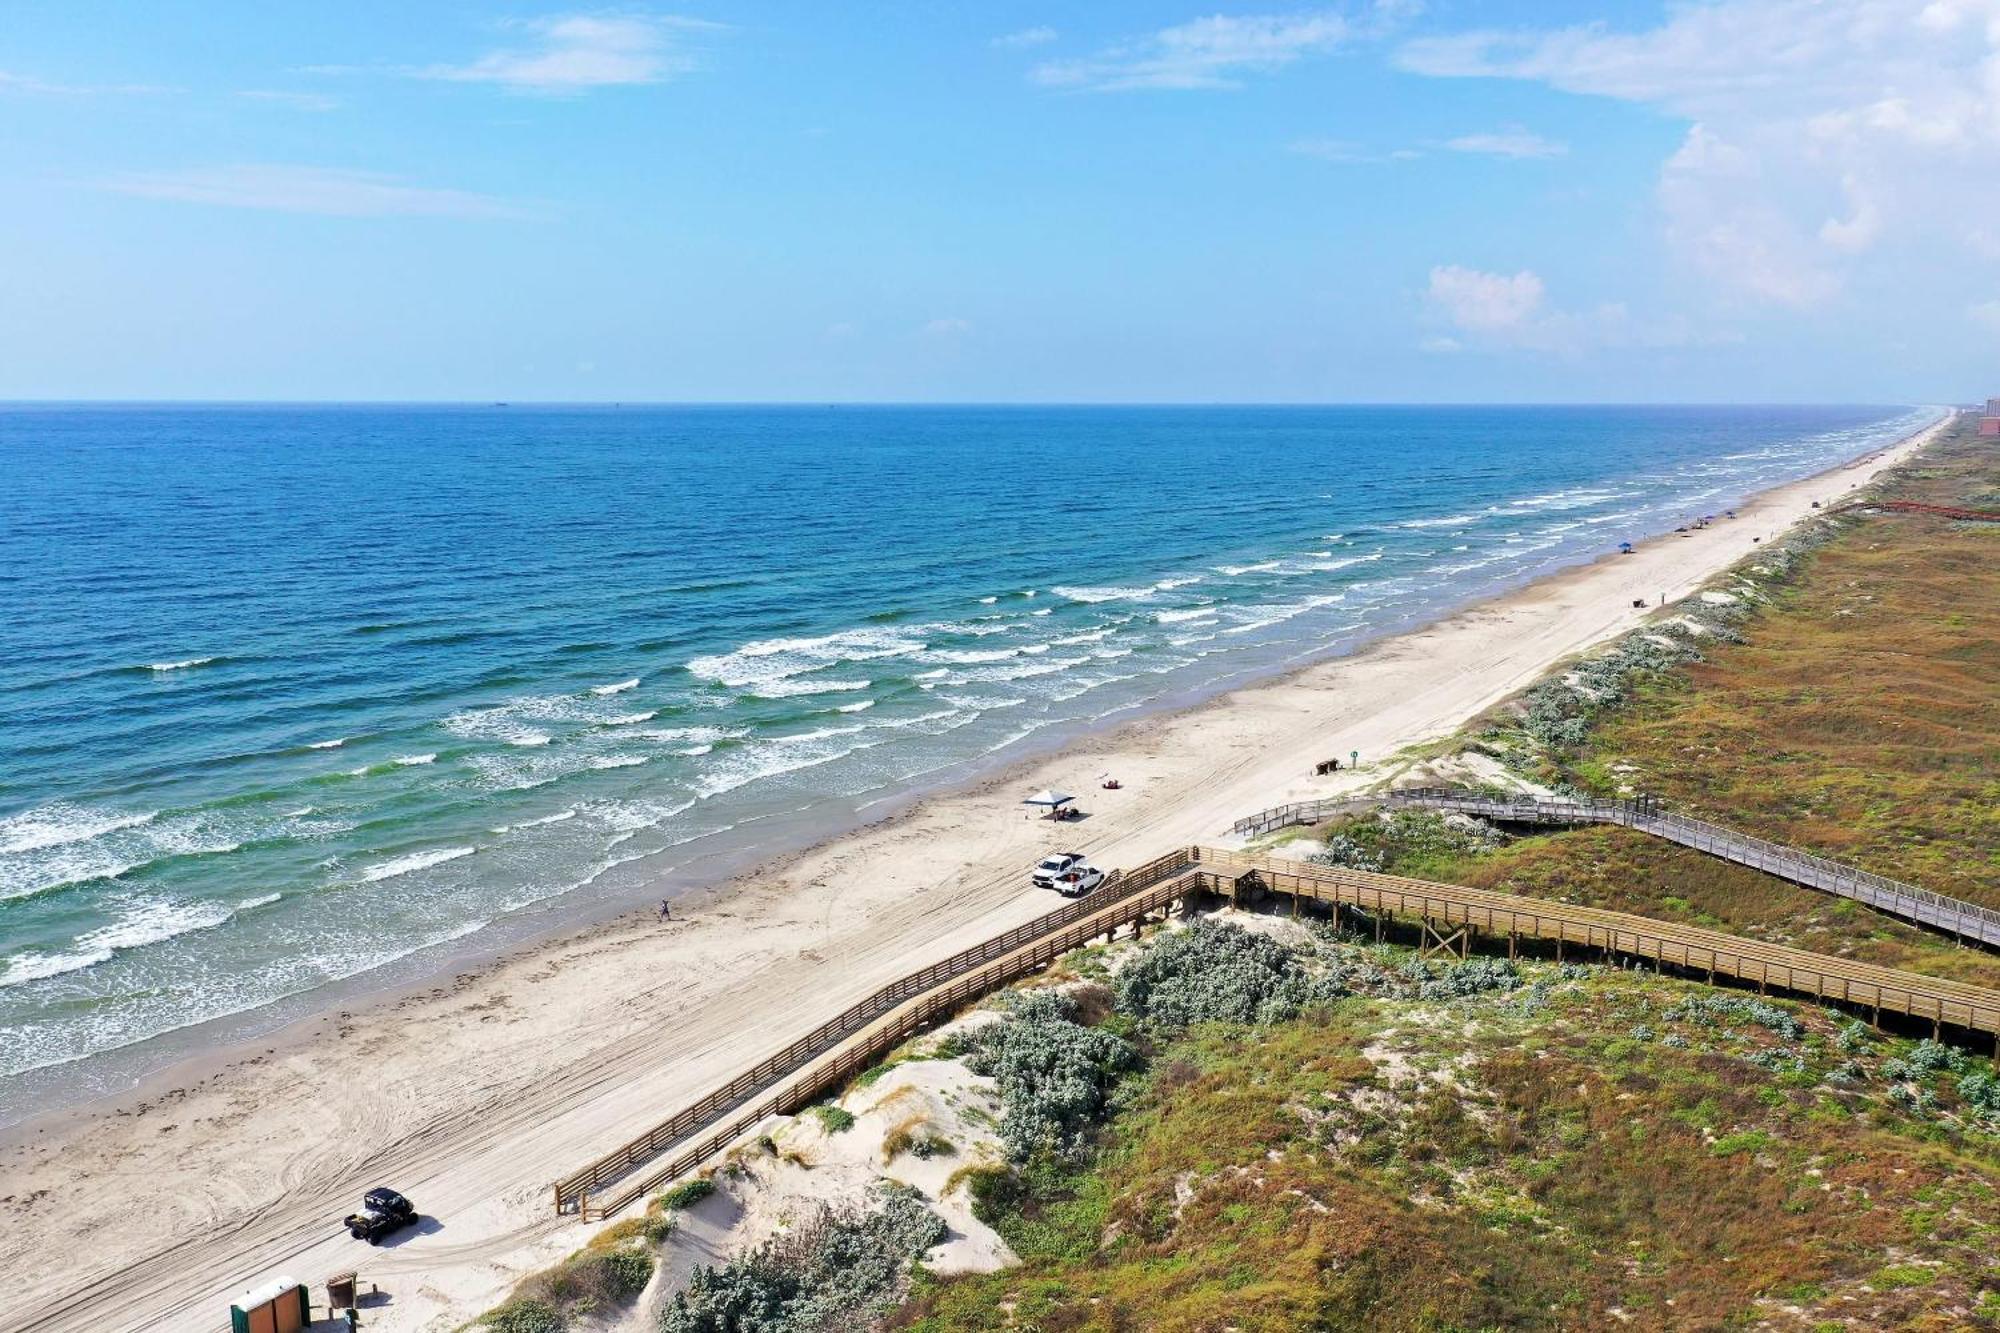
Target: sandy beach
pixel 472 1094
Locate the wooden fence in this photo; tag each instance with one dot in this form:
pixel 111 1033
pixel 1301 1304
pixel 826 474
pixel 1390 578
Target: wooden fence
pixel 1301 812
pixel 1449 915
pixel 1445 909
pixel 1953 916
pixel 583 1189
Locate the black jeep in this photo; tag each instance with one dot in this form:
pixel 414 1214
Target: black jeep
pixel 382 1212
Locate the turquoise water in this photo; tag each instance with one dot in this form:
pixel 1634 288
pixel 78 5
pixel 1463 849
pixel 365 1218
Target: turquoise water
pixel 289 694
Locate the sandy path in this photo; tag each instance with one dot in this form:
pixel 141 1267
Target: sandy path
pixel 472 1096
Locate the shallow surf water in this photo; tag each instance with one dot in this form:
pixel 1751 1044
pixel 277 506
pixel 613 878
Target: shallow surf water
pixel 288 694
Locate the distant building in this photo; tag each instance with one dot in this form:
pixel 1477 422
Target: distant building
pixel 1990 423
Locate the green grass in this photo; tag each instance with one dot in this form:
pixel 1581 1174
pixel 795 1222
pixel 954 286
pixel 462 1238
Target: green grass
pixel 1548 1169
pixel 1859 720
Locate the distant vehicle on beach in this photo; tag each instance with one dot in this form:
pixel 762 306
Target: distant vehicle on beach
pixel 382 1211
pixel 1068 873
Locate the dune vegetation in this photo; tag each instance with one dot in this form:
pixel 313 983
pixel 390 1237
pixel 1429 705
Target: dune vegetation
pixel 1537 1146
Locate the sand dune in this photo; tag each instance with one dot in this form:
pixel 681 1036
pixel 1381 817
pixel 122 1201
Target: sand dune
pixel 472 1095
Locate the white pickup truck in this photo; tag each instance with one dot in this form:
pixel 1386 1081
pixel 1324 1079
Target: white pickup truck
pixel 1068 873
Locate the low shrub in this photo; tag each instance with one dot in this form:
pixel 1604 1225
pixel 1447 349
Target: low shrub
pixel 836 1120
pixel 1054 1073
pixel 1214 972
pixel 524 1316
pixel 688 1193
pixel 1452 981
pixel 602 1277
pixel 843 1267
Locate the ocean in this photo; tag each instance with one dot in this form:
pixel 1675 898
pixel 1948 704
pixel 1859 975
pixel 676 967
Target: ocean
pixel 299 696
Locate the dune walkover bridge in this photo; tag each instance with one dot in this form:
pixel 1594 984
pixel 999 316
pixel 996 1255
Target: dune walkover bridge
pixel 1965 921
pixel 1440 918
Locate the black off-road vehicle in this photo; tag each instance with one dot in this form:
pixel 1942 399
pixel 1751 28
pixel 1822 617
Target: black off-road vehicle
pixel 382 1211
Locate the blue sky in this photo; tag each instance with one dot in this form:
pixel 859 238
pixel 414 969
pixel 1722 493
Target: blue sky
pixel 1752 200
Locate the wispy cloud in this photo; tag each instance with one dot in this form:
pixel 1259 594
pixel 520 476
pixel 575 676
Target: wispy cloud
pixel 573 53
pixel 325 191
pixel 1025 38
pixel 949 327
pixel 1214 52
pixel 296 101
pixel 1511 141
pixel 28 85
pixel 1347 151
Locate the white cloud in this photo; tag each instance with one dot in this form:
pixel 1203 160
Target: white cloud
pixel 326 191
pixel 1511 141
pixel 1346 151
pixel 573 53
pixel 1511 311
pixel 1486 302
pixel 1213 52
pixel 29 85
pixel 296 101
pixel 1025 38
pixel 948 327
pixel 1824 135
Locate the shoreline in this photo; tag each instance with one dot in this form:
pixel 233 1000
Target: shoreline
pixel 487 1114
pixel 92 1081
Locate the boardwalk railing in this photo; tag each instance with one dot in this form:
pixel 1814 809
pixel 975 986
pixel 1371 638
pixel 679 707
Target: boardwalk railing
pixel 573 1190
pixel 732 1111
pixel 1300 812
pixel 1509 916
pixel 1954 916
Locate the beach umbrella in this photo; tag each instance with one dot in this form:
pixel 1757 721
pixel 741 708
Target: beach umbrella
pixel 1050 798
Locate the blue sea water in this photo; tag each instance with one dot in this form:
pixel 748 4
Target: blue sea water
pixel 290 693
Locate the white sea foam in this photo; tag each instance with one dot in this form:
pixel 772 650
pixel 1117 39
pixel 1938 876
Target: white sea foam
pixel 61 822
pixel 1448 521
pixel 415 861
pixel 1329 565
pixel 262 900
pixel 1045 611
pixel 152 922
pixel 618 761
pixel 180 666
pixel 861 707
pixel 1178 581
pixel 413 760
pixel 558 817
pixel 787 689
pixel 1234 571
pixel 627 719
pixel 965 656
pixel 1190 613
pixel 617 687
pixel 988 601
pixel 1102 594
pixel 702 735
pixel 334 744
pixel 757 664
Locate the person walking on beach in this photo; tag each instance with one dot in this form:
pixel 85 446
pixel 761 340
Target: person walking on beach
pixel 666 910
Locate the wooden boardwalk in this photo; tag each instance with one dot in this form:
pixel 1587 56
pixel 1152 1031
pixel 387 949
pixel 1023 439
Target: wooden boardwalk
pixel 1968 922
pixel 1447 917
